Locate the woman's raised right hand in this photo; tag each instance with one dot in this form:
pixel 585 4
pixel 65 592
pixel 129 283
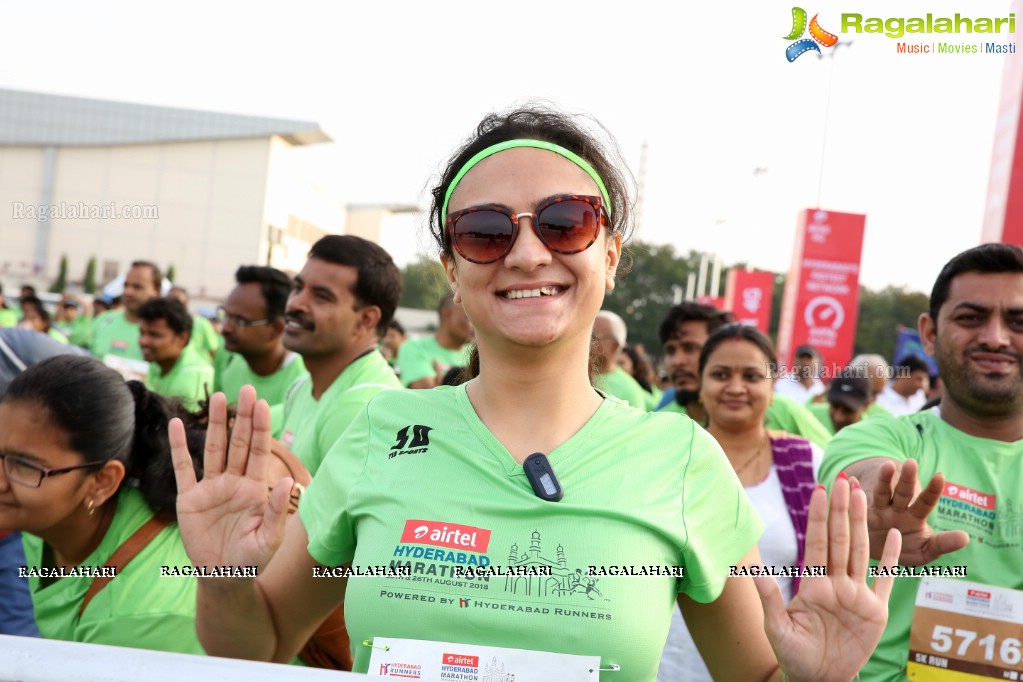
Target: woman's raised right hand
pixel 228 518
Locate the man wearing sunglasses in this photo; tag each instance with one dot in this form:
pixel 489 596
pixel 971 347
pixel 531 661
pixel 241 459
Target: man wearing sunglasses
pixel 252 320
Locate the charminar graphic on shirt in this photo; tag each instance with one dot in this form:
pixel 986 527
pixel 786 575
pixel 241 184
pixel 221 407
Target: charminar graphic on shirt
pixel 418 482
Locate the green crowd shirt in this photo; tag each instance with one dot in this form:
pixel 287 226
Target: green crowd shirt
pixel 234 372
pixel 418 481
pixel 620 384
pixel 312 426
pixel 982 497
pixel 190 379
pixel 138 608
pixel 821 412
pixel 113 334
pixel 416 357
pixel 205 340
pixel 8 318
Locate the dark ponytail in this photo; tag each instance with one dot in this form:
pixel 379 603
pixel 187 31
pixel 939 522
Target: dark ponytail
pixel 149 463
pixel 103 418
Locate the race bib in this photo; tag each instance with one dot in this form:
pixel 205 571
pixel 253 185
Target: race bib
pixel 414 659
pixel 966 631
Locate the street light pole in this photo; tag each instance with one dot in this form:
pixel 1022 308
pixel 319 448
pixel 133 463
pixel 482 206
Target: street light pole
pixel 827 115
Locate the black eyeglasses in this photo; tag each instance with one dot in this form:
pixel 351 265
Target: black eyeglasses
pixel 223 317
pixel 24 472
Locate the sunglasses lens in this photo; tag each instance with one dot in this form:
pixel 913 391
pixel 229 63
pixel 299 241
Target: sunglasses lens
pixel 568 226
pixel 482 236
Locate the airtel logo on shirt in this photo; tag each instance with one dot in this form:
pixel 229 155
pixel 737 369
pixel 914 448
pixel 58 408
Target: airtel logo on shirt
pixel 961 492
pixel 442 534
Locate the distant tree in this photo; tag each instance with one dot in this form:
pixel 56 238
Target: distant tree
pixel 171 273
pixel 881 313
pixel 423 284
pixel 89 283
pixel 61 283
pixel 643 295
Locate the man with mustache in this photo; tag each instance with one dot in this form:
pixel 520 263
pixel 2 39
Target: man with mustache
pixel 969 450
pixel 339 308
pixel 683 332
pixel 253 329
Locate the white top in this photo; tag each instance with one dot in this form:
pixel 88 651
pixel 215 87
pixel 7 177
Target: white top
pixel 681 661
pixel 791 388
pixel 899 406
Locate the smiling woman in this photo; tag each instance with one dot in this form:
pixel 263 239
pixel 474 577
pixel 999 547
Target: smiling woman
pixel 529 219
pixel 86 467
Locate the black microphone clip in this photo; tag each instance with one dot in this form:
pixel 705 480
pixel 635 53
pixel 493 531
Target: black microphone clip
pixel 541 476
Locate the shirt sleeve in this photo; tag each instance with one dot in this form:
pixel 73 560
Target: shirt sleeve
pixel 881 436
pixel 720 522
pixel 785 414
pixel 324 506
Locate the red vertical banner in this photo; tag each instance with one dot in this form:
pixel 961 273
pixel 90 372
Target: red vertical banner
pixel 822 292
pixel 748 296
pixel 1003 212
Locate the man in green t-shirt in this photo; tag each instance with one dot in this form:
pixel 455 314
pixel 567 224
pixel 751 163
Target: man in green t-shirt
pixel 847 401
pixel 610 332
pixel 114 337
pixel 175 370
pixel 969 449
pixel 423 361
pixel 338 310
pixel 205 340
pixel 253 327
pixel 684 332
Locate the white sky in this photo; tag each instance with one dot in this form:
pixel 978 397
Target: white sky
pixel 399 84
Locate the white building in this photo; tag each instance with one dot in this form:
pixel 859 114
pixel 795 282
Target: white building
pixel 204 192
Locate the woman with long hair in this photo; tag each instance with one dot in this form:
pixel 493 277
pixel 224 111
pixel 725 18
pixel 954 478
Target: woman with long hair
pixel 525 466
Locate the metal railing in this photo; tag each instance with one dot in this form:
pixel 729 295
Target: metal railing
pixel 29 659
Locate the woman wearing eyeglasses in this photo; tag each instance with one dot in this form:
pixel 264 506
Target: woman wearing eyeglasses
pixel 86 468
pixel 777 470
pixel 529 218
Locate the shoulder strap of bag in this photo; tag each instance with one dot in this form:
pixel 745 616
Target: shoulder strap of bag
pixel 125 553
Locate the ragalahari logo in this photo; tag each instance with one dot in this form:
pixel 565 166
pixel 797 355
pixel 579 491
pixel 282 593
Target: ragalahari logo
pixel 817 35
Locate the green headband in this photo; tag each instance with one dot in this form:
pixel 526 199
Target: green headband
pixel 538 144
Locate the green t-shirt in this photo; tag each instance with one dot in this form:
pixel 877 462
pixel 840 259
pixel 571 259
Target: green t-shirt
pixel 416 358
pixel 621 385
pixel 138 608
pixel 57 336
pixel 785 414
pixel 875 410
pixel 983 480
pixel 112 334
pixel 190 379
pixel 234 372
pixel 8 318
pixel 419 481
pixel 81 329
pixel 312 426
pixel 821 412
pixel 205 340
